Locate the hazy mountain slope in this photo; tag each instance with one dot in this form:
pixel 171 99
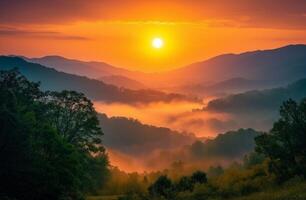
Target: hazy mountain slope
pixel 230 86
pixel 132 137
pixel 73 66
pixel 285 63
pixel 122 81
pixel 229 145
pixel 224 149
pixel 53 80
pixel 280 65
pixel 161 146
pixel 258 100
pixel 97 70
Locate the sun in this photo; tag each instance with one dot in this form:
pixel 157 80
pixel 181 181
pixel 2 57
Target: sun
pixel 157 43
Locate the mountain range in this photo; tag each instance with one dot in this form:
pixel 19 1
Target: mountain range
pixel 52 79
pixel 95 70
pixel 282 64
pixel 227 73
pixel 254 101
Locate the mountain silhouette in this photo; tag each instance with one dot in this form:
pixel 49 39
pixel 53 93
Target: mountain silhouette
pixel 287 63
pixel 97 70
pixel 268 100
pixel 133 137
pixel 96 90
pixel 268 68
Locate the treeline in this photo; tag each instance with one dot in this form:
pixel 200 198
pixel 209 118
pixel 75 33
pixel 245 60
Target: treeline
pixel 50 142
pixel 279 158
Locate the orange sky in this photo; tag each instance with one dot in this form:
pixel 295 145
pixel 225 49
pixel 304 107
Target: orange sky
pixel 120 32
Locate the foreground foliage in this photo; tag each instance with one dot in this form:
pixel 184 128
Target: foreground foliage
pixel 289 191
pixel 50 142
pixel 285 145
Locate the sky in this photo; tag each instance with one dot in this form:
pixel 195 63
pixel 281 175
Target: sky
pixel 121 32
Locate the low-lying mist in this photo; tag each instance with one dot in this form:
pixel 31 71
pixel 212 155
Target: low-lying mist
pixel 224 149
pixel 178 116
pixel 187 117
pixel 147 153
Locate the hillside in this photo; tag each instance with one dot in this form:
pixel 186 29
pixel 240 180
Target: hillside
pixel 122 81
pixel 135 138
pixel 286 63
pixel 268 100
pixel 92 69
pixel 226 87
pixel 97 90
pixel 230 145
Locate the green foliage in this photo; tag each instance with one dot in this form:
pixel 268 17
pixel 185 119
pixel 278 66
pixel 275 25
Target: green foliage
pixel 287 192
pixel 222 146
pixel 120 182
pixel 253 159
pixel 237 181
pixel 73 116
pixel 285 145
pixel 162 187
pixel 37 162
pixel 198 177
pixel 185 184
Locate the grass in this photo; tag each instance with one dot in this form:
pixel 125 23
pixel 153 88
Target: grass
pixel 288 192
pixel 293 191
pixel 108 197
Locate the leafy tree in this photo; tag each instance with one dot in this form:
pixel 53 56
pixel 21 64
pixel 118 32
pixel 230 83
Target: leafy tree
pixel 74 117
pixel 285 144
pixel 162 187
pixel 199 177
pixel 185 184
pixel 253 159
pixel 36 162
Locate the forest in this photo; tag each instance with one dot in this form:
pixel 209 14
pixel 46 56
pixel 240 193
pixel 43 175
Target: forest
pixel 51 147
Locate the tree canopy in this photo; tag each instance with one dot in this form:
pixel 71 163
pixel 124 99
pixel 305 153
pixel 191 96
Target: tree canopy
pixel 285 144
pixel 40 159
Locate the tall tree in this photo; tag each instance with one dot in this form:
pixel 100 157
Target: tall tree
pixel 162 187
pixel 36 162
pixel 74 117
pixel 285 144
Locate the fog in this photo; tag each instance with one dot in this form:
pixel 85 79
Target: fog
pixel 160 160
pixel 180 116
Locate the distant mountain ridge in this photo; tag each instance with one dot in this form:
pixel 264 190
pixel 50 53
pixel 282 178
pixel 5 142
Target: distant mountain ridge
pixel 73 66
pixel 97 90
pixel 91 69
pixel 268 100
pixel 285 63
pixel 222 145
pixel 133 137
pixel 269 68
pixel 122 81
pixel 226 87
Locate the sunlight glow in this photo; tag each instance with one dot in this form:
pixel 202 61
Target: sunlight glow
pixel 157 43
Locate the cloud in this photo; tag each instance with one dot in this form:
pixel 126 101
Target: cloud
pixel 244 13
pixel 39 34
